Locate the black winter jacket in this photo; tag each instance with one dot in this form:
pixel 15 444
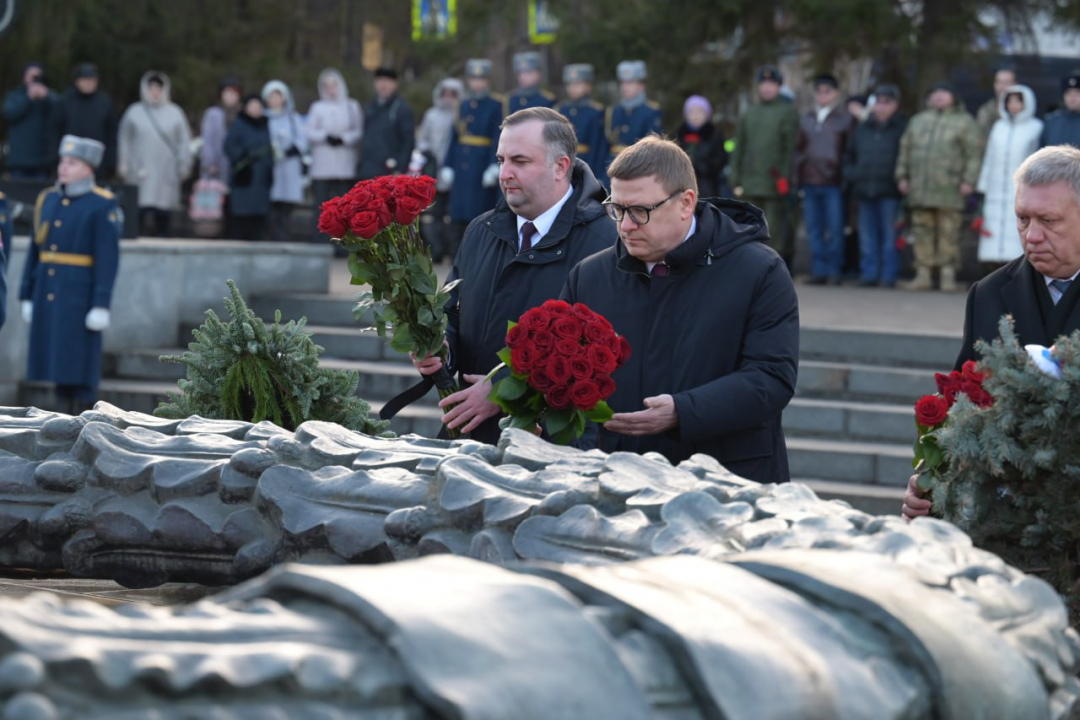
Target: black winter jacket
pixel 498 284
pixel 1061 127
pixel 870 158
pixel 705 146
pixel 720 334
pixel 389 136
pixel 89 116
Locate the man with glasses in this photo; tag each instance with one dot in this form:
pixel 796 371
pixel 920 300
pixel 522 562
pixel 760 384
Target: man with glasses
pixel 869 164
pixel 518 255
pixel 709 310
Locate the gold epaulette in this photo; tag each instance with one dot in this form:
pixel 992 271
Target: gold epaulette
pixel 595 105
pixel 103 193
pixel 497 97
pixel 549 95
pixel 653 104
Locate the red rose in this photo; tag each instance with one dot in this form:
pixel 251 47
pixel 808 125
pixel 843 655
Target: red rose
pixel 567 327
pixel 407 209
pixel 383 211
pixel 569 349
pixel 585 395
pixel 330 220
pixel 624 349
pixel 536 319
pixel 539 380
pixel 931 410
pixel 558 369
pixel 543 339
pixel 359 196
pixel 583 313
pixel 423 189
pixel 596 332
pixel 976 394
pixel 365 224
pixel 605 385
pixel 948 385
pixel 969 371
pixel 581 368
pixel 602 359
pixel 557 308
pixel 523 359
pixel 558 397
pixel 516 336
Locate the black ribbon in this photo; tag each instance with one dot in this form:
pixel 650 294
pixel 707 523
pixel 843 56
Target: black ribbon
pixel 440 379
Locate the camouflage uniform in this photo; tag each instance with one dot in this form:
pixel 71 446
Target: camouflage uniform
pixel 764 142
pixel 940 150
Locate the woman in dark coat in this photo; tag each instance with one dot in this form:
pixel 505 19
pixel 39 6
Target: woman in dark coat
pixel 248 147
pixel 704 143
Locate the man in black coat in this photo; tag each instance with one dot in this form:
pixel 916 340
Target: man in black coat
pixel 709 310
pixel 389 130
pixel 85 111
pixel 870 168
pixel 1038 289
pixel 1062 127
pixel 518 255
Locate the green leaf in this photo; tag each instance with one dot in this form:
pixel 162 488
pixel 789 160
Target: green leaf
pixel 403 339
pixel 600 413
pixel 425 317
pixel 422 282
pixel 504 355
pixel 558 420
pixel 511 388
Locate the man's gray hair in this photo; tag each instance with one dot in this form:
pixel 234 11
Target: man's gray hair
pixel 1053 164
pixel 559 136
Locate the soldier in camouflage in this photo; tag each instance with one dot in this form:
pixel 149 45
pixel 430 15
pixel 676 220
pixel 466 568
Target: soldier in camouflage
pixel 760 170
pixel 938 167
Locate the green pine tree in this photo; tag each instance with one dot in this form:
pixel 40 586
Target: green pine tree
pixel 244 370
pixel 1013 470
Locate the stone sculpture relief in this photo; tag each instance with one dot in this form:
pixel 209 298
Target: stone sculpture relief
pixel 692 593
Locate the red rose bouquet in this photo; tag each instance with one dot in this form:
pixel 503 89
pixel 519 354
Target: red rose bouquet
pixel 932 413
pixel 560 357
pixel 376 222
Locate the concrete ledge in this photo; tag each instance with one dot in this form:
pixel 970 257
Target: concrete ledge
pixel 165 283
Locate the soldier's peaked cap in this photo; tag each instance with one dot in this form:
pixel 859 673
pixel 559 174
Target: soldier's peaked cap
pixel 771 73
pixel 1072 80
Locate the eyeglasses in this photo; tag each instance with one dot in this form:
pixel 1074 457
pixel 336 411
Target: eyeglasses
pixel 638 213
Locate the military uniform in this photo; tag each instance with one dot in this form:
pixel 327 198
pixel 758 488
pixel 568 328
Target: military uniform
pixel 527 95
pixel 473 143
pixel 5 248
pixel 764 143
pixel 940 150
pixel 70 270
pixel 587 117
pixel 1062 127
pixel 629 121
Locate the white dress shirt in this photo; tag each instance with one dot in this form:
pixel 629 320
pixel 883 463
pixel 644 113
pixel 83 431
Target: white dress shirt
pixel 544 220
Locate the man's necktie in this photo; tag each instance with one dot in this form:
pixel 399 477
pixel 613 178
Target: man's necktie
pixel 660 270
pixel 527 232
pixel 1061 286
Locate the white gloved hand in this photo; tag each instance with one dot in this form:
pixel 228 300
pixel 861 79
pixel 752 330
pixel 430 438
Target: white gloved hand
pixel 27 310
pixel 491 176
pixel 97 319
pixel 445 179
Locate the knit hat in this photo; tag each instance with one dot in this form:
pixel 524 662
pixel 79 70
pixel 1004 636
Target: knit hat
pixel 697 101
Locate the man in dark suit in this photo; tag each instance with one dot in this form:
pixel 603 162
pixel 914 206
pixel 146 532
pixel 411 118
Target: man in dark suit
pixel 1038 289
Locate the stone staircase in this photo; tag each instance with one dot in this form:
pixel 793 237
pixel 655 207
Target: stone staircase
pixel 849 429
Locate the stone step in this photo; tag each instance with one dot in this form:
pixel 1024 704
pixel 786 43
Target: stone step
pixel 876 347
pixel 848 419
pixel 863 463
pixel 868 383
pixel 318 309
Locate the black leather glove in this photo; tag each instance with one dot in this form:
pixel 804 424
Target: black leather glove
pixel 334 140
pixel 293 151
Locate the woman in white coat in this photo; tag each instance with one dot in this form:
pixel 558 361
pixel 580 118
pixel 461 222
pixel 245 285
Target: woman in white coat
pixel 335 125
pixel 1012 139
pixel 290 144
pixel 155 152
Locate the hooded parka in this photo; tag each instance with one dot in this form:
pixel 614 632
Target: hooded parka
pixel 498 284
pixel 1012 139
pixel 720 333
pixel 331 120
pixel 290 144
pixel 155 147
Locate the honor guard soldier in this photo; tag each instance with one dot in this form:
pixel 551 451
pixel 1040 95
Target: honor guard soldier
pixel 529 93
pixel 587 117
pixel 67 282
pixel 1062 127
pixel 470 171
pixel 635 116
